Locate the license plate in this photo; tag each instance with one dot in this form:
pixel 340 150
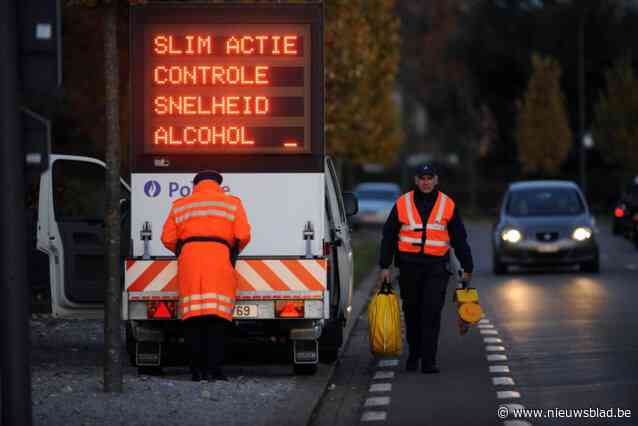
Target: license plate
pixel 245 311
pixel 547 248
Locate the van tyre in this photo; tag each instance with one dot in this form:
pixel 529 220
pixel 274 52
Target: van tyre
pixel 130 345
pixel 330 341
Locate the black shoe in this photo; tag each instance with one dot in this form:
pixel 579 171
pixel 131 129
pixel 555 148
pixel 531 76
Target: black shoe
pixel 430 369
pixel 196 375
pixel 412 364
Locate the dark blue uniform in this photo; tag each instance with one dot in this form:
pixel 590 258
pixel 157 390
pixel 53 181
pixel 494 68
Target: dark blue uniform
pixel 423 279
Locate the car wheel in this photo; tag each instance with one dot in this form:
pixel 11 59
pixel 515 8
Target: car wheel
pixel 498 267
pixel 592 266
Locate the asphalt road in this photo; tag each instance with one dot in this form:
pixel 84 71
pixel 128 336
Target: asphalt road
pixel 557 339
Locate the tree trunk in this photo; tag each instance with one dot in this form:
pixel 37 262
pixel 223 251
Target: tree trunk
pixel 113 296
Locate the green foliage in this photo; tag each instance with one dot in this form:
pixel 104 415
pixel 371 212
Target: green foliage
pixel 616 123
pixel 362 44
pixel 543 134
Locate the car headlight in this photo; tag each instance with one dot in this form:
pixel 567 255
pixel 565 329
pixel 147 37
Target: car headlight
pixel 512 235
pixel 582 233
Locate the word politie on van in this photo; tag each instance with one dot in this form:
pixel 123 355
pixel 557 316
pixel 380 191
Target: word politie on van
pixel 223 87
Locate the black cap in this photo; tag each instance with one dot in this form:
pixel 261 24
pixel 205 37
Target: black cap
pixel 208 174
pixel 425 169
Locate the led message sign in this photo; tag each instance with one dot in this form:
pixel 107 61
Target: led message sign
pixel 224 87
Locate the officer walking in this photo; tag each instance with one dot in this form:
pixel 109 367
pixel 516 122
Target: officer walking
pixel 418 233
pixel 205 230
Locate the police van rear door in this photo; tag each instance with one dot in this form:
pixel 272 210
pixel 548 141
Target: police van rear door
pixel 71 231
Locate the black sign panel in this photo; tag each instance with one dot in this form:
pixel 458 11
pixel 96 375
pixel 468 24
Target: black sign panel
pixel 226 79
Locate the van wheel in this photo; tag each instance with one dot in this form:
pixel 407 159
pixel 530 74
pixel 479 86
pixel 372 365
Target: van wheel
pixel 304 369
pixel 130 345
pixel 330 342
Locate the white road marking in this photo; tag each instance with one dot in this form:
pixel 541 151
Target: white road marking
pixel 502 381
pixel 491 348
pixel 496 357
pixel 484 321
pixel 373 416
pixel 388 363
pixel 377 401
pixel 516 423
pixel 485 326
pixel 492 340
pixel 383 375
pixel 499 369
pixel 483 331
pixel 381 387
pixel 507 394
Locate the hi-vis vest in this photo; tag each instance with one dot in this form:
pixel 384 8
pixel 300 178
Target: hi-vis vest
pixel 437 238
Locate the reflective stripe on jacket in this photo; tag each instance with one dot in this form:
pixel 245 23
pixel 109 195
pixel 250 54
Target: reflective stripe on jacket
pixel 205 277
pixel 437 238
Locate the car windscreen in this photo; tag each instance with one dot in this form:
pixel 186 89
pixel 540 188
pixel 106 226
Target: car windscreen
pixel 544 202
pixel 377 195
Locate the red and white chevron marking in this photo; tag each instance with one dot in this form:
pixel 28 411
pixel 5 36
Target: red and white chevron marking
pixel 298 275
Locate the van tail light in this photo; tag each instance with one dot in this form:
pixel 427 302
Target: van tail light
pixel 161 309
pixel 619 212
pixel 289 308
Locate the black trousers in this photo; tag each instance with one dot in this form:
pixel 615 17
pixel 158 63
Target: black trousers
pixel 423 289
pixel 205 334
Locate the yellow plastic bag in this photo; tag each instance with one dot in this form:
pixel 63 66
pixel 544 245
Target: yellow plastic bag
pixel 384 322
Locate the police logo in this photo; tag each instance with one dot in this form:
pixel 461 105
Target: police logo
pixel 152 188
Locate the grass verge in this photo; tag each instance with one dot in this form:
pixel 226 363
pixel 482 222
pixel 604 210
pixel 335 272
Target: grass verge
pixel 365 252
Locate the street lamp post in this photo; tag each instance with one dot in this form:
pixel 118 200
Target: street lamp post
pixel 582 10
pixel 582 153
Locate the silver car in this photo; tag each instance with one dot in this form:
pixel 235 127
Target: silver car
pixel 545 223
pixel 376 200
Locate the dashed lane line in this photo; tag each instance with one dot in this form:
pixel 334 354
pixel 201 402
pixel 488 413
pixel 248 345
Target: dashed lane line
pixel 508 394
pixel 491 348
pixel 488 331
pixel 388 363
pixel 499 369
pixel 381 387
pixel 377 401
pixel 497 357
pixel 492 340
pixel 383 375
pixel 503 381
pixel 374 416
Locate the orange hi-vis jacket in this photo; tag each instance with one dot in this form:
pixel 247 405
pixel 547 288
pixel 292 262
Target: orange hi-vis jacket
pixel 205 277
pixel 437 238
